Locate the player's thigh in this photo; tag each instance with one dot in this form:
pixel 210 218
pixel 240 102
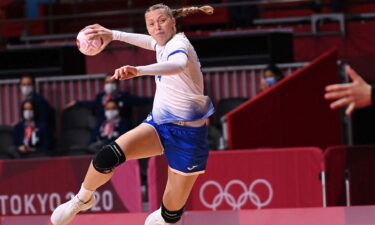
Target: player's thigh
pixel 140 142
pixel 178 189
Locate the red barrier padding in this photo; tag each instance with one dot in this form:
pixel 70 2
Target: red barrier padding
pixel 334 158
pixel 291 113
pixel 358 164
pixel 38 186
pixel 264 178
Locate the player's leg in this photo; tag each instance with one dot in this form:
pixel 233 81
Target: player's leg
pixel 186 151
pixel 176 193
pixel 143 141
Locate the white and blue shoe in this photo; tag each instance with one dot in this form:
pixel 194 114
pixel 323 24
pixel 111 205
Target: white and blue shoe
pixel 66 212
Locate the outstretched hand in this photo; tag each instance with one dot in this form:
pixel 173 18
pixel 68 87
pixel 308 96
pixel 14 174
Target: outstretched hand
pixel 125 72
pixel 356 94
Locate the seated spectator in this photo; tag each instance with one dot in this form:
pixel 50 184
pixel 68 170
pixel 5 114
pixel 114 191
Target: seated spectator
pixel 32 138
pixel 272 74
pixel 109 129
pixel 124 100
pixel 45 111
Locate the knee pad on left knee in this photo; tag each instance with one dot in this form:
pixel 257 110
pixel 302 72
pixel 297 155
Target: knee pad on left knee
pixel 108 158
pixel 171 216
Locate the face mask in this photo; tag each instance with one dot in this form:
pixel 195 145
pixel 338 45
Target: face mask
pixel 109 88
pixel 270 81
pixel 26 90
pixel 28 114
pixel 111 114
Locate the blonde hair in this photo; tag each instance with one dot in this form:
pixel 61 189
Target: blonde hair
pixel 182 12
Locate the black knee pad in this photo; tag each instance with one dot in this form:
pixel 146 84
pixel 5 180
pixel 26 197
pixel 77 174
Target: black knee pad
pixel 171 216
pixel 108 158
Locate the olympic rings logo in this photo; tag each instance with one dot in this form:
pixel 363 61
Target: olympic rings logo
pixel 224 194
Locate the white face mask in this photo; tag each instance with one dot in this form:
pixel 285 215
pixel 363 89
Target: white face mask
pixel 28 114
pixel 111 114
pixel 110 88
pixel 26 90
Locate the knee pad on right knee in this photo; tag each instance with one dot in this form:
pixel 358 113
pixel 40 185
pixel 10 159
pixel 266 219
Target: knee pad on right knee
pixel 109 157
pixel 171 216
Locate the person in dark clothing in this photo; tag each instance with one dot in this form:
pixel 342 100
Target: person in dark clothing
pixel 32 138
pixel 109 129
pixel 271 75
pixel 45 111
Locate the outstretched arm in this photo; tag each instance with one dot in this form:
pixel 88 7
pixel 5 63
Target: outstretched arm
pixel 357 94
pixel 173 66
pixel 139 40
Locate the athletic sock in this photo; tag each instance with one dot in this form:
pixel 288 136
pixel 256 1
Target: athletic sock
pixel 171 216
pixel 84 195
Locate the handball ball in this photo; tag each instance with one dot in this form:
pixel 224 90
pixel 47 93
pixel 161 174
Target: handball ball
pixel 89 47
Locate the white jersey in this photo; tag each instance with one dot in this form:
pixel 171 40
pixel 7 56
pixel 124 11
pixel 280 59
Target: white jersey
pixel 180 97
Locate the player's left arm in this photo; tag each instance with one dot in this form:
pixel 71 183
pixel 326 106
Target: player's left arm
pixel 177 61
pixel 173 66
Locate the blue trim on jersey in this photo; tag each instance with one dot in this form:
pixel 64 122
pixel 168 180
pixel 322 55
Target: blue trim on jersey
pixel 177 51
pixel 155 46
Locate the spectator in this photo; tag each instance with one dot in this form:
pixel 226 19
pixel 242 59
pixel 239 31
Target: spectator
pixel 354 95
pixel 124 100
pixel 109 129
pixel 31 135
pixel 272 74
pixel 45 111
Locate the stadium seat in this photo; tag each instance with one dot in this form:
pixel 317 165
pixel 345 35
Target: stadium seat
pixel 6 137
pixel 140 112
pixel 215 134
pixel 226 105
pixel 76 128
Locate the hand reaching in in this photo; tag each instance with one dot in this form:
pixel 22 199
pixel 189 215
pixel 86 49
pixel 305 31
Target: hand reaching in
pixel 356 94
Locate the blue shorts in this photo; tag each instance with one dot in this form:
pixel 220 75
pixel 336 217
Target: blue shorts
pixel 185 148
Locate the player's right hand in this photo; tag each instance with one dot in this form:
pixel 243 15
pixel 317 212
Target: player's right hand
pixel 96 30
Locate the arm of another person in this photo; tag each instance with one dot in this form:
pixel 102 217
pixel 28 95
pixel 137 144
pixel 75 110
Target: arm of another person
pixel 354 95
pixel 45 136
pixel 139 40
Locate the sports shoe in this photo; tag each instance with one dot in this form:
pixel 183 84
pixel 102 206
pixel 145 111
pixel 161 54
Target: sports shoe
pixel 155 218
pixel 66 212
